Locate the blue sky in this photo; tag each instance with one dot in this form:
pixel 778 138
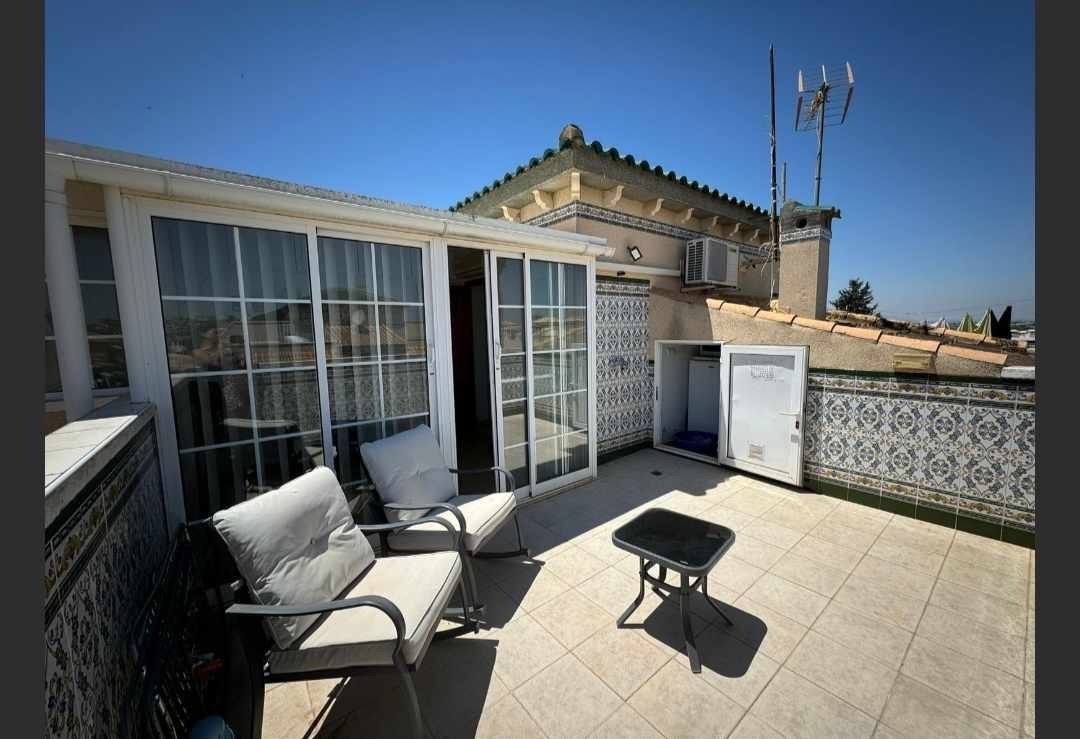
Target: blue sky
pixel 934 170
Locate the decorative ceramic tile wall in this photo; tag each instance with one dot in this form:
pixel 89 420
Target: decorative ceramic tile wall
pixel 946 447
pixel 624 380
pixel 101 555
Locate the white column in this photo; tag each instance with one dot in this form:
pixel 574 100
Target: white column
pixel 65 299
pixel 126 296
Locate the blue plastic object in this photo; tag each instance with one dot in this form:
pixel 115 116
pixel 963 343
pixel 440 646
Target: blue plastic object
pixel 699 442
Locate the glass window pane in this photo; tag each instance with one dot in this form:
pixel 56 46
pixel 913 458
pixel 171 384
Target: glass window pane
pixel 52 368
pixel 281 335
pixel 211 410
pixel 547 416
pixel 543 282
pixel 354 393
pixel 345 269
pixel 517 462
pixel 48 313
pixel 100 310
pixel 401 329
pixel 511 285
pixel 545 373
pixel 203 335
pixel 547 460
pixel 275 264
pixel 196 259
pixel 217 478
pixel 545 329
pixel 286 402
pixel 575 449
pixel 348 464
pixel 561 456
pixel 405 389
pixel 574 285
pixel 512 330
pixel 513 377
pixel 574 371
pixel 287 459
pixel 108 363
pixel 92 253
pixel 573 328
pixel 350 332
pixel 397 425
pixel 514 431
pixel 400 273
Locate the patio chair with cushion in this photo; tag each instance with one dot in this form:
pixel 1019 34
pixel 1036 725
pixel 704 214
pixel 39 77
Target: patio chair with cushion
pixel 412 480
pixel 319 604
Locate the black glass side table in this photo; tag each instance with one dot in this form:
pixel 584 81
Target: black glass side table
pixel 683 544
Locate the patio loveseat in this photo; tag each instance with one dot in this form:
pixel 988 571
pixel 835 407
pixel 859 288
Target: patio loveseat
pixel 315 602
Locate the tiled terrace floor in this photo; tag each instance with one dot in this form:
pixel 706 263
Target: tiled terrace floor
pixel 849 622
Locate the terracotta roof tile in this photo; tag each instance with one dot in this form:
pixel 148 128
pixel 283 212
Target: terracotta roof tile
pixel 925 345
pixel 771 315
pixel 870 334
pixel 815 323
pixel 746 310
pixel 977 355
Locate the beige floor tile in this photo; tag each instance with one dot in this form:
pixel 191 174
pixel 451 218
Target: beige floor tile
pixel 456 684
pixel 532 591
pixel 610 589
pixel 992 583
pixel 861 518
pixel 287 711
pixel 980 607
pixel 621 658
pixel 681 704
pixel 986 644
pixel 797 708
pixel 567 700
pixel 775 534
pixel 810 574
pixel 827 553
pixel 731 667
pixel 1029 664
pixel 497 570
pixel 861 681
pixel 752 500
pixel 787 598
pixel 660 622
pixel 524 648
pixel 1029 709
pixel 600 546
pixel 918 534
pixel 909 582
pixel 1013 564
pixel 763 629
pixel 751 727
pixel 573 565
pixel 571 618
pixel 916 710
pixel 507 719
pixel 734 574
pixel 995 693
pixel 794 516
pixel 919 560
pixel 880 600
pixel 885 642
pixel 754 551
pixel 727 516
pixel 845 536
pixel 884 732
pixel 626 723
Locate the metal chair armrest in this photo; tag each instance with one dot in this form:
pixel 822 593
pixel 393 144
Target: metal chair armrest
pixel 507 474
pixel 453 509
pixel 362 601
pixel 385 528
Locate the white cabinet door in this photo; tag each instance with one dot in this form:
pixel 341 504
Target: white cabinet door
pixel 762 391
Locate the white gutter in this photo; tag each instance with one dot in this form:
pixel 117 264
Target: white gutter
pixel 152 179
pixel 602 265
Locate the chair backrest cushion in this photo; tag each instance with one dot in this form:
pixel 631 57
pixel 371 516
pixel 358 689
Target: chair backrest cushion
pixel 408 468
pixel 294 546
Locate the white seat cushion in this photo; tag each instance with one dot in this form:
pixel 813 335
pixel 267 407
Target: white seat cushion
pixel 294 546
pixel 484 515
pixel 408 468
pixel 420 585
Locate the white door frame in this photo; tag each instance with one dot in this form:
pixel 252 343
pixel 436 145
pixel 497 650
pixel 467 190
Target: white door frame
pixel 801 355
pixel 658 373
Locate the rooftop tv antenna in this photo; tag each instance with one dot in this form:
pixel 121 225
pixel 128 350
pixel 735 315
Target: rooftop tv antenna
pixel 825 104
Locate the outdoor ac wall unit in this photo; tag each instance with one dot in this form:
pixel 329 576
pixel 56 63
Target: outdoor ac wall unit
pixel 712 262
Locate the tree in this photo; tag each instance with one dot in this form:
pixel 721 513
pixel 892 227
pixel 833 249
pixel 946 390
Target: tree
pixel 857 297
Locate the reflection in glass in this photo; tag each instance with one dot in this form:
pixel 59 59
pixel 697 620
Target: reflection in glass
pixel 203 335
pixel 545 329
pixel 561 456
pixel 286 402
pixel 560 414
pixel 288 458
pixel 280 334
pixel 196 259
pixel 218 478
pixel 354 393
pixel 405 389
pixel 574 371
pixel 543 283
pixel 345 269
pixel 514 422
pixel 511 285
pixel 100 309
pixel 211 410
pixel 348 464
pixel 401 329
pixel 512 330
pixel 92 253
pixel 350 332
pixel 545 373
pixel 573 328
pixel 52 368
pixel 108 363
pixel 517 462
pixel 573 276
pixel 400 273
pixel 275 264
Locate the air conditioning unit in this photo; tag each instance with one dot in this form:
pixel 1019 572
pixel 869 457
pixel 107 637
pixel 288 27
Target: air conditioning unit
pixel 711 262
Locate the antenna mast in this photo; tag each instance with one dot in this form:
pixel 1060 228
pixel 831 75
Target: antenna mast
pixel 826 105
pixel 773 236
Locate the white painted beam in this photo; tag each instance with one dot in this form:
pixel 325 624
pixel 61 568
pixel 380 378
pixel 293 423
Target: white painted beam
pixel 687 215
pixel 543 199
pixel 652 207
pixel 511 214
pixel 614 195
pixel 575 185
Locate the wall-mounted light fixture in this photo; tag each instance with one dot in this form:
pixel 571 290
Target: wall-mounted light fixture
pixel 635 253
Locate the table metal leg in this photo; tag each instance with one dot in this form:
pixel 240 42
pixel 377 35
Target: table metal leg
pixel 711 602
pixel 640 596
pixel 688 633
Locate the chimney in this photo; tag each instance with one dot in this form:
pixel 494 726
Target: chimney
pixel 805 233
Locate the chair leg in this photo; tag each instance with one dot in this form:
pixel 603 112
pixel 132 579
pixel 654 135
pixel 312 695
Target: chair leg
pixel 521 551
pixel 417 718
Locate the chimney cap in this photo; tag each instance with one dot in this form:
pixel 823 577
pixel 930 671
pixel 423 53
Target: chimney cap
pixel 571 135
pixel 798 215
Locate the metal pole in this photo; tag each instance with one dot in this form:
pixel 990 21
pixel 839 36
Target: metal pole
pixel 783 185
pixel 820 144
pixel 772 175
